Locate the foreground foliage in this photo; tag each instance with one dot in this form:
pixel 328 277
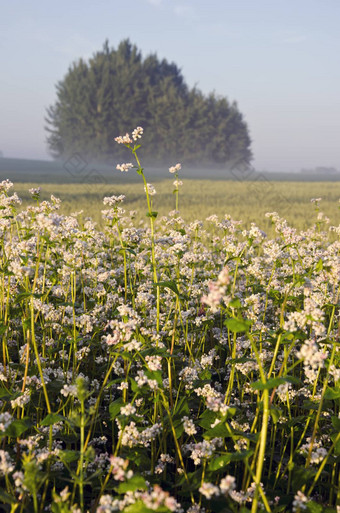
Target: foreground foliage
pixel 143 370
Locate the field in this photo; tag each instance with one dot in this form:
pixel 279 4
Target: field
pixel 246 201
pixel 81 185
pixel 153 363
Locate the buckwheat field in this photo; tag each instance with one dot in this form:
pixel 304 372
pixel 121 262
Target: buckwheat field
pixel 168 367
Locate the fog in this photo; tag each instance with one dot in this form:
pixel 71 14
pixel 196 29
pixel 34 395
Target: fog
pixel 75 170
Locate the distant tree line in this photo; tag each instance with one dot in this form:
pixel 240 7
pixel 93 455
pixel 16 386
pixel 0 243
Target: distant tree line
pixel 117 90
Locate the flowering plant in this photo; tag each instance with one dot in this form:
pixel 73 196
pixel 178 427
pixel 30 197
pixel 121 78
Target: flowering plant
pixel 157 369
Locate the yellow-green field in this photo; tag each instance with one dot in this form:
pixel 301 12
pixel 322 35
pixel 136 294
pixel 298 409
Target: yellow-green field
pixel 246 201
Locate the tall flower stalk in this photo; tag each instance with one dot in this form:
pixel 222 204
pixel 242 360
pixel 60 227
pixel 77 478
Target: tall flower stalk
pixel 177 183
pixel 130 143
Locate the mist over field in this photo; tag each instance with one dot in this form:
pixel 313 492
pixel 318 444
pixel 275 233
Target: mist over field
pixel 76 169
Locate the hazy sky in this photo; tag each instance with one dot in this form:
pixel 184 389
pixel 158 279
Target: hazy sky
pixel 279 59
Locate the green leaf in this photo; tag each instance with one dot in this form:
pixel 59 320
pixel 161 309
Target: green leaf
pixel 273 383
pixel 193 483
pixel 140 507
pixel 231 412
pixel 68 456
pixel 113 381
pixel 220 430
pixel 5 394
pixel 313 507
pixel 310 405
pixel 336 443
pixel 302 476
pixel 134 386
pixel 152 214
pixel 139 457
pixel 207 418
pixel 115 407
pixel 205 375
pixel 156 375
pixel 237 325
pixel 5 498
pixel 335 422
pixel 172 285
pixel 17 427
pixel 275 413
pixel 235 303
pixel 319 266
pixel 52 418
pixel 137 482
pixel 332 393
pixel 220 462
pixel 20 297
pixel 182 408
pixel 179 428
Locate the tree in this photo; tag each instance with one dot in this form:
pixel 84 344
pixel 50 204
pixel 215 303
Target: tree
pixel 117 90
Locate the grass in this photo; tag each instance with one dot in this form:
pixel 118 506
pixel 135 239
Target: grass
pixel 246 201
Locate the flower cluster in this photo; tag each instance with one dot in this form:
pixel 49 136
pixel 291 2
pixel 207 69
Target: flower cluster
pixel 165 367
pixel 175 169
pixel 124 167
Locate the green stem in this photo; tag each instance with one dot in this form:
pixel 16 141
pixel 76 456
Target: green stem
pixel 262 450
pixel 81 462
pixel 153 257
pixel 38 358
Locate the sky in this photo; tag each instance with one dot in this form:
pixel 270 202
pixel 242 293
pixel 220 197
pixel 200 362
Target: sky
pixel 278 59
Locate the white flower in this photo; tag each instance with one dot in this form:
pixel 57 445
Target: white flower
pixel 119 468
pixel 137 133
pixel 6 463
pixel 196 508
pixel 175 169
pixel 6 420
pixel 154 362
pixel 209 490
pixel 69 390
pixel 227 484
pixel 125 139
pixel 150 188
pixel 127 410
pixel 223 278
pixel 35 191
pixel 5 185
pixel 299 501
pixel 123 386
pixel 21 400
pixel 189 426
pixel 124 167
pixel 113 200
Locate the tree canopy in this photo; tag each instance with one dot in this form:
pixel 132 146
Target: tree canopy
pixel 118 89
